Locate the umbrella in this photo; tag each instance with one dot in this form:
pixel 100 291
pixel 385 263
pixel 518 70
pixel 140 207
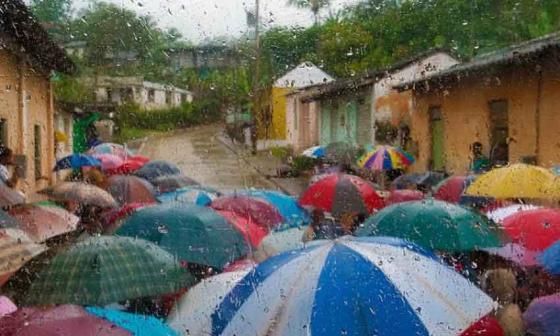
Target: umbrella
pixel 169 183
pixel 541 317
pixel 550 258
pixel 107 269
pixel 427 179
pixel 6 306
pixel 498 215
pixel 191 195
pixel 534 229
pixel 516 253
pixel 188 314
pixel 155 169
pixel 17 248
pixel 404 195
pixel 277 242
pixel 294 215
pixel 435 225
pixel 315 152
pixel 342 193
pixel 7 221
pixel 195 234
pixel 77 161
pixel 42 223
pixel 251 231
pixel 10 197
pixel 113 218
pixel 131 189
pixel 137 325
pixel 258 211
pixel 451 189
pixel 350 286
pixel 128 166
pixel 83 193
pixel 109 161
pixel 341 152
pixel 111 148
pixel 61 320
pixel 514 181
pixel 385 158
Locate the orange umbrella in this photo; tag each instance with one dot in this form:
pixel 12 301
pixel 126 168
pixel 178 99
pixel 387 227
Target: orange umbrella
pixel 43 222
pixel 16 248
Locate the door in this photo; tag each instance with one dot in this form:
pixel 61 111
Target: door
pixel 437 140
pixel 326 124
pixel 499 132
pixel 352 122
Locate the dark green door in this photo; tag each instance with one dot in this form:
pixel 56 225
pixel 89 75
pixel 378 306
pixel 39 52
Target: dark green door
pixel 437 140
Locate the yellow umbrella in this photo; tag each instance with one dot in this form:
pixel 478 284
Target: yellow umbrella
pixel 514 181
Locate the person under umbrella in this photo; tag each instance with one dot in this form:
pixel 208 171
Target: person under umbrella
pixel 6 160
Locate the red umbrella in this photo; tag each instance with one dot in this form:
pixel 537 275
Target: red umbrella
pixel 342 193
pixel 252 232
pixel 404 195
pixel 61 320
pixel 534 229
pixel 259 212
pixel 113 217
pixel 129 166
pixel 451 189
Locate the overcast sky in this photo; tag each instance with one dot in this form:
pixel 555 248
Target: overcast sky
pixel 198 20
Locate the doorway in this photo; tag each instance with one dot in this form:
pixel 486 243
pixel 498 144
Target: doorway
pixel 437 161
pixel 499 132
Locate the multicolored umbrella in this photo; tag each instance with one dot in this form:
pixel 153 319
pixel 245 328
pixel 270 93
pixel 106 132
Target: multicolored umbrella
pixel 256 210
pixel 435 225
pixel 82 193
pixel 155 169
pixel 42 223
pixel 514 181
pixel 498 215
pixel 353 286
pixel 404 195
pixel 106 269
pixel 170 183
pixel 61 320
pixel 541 317
pixel 16 249
pixel 533 229
pixel 451 189
pixel 137 325
pixel 77 161
pixel 195 234
pixel 109 161
pixel 294 215
pixel 315 152
pixel 251 231
pixel 385 158
pixel 111 148
pixel 131 189
pixel 190 195
pixel 342 193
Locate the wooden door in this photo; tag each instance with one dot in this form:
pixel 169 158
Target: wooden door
pixel 437 139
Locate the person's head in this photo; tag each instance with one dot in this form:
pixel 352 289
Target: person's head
pixel 317 216
pixel 6 155
pixel 476 148
pixel 500 284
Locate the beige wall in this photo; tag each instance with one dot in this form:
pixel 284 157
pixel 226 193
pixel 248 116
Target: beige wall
pixel 465 109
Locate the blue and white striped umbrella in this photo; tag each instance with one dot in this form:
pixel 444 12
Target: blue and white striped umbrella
pixel 315 152
pixel 350 286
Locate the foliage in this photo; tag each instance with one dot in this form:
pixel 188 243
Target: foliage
pixel 314 5
pixel 302 163
pixel 52 11
pixel 71 90
pixel 280 152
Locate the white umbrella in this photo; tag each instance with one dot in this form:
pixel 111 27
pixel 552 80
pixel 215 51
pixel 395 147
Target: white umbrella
pixel 280 241
pixel 498 215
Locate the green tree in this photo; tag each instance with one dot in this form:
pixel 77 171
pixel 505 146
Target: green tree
pixel 52 11
pixel 314 5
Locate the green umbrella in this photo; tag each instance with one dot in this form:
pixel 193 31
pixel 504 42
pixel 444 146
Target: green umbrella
pixel 103 270
pixel 195 234
pixel 434 224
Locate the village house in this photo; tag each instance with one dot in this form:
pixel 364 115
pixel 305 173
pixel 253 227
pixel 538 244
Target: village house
pixel 364 110
pixel 147 95
pixel 507 100
pixel 204 57
pixel 27 60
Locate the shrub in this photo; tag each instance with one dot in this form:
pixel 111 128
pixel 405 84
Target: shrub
pixel 302 163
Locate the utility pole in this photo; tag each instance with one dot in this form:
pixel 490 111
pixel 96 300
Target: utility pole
pixel 256 109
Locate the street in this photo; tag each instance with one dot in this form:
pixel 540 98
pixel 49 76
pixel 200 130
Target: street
pixel 201 156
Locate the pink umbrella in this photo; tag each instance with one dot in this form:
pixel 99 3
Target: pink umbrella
pixel 42 223
pixel 516 253
pixel 253 209
pixel 6 306
pixel 61 320
pixel 109 161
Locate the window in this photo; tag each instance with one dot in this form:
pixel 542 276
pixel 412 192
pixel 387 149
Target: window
pixel 37 155
pixel 4 131
pixel 499 132
pixel 151 95
pixel 168 97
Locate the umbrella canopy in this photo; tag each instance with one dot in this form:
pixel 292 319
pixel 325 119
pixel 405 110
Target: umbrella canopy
pixel 170 183
pixel 113 218
pixel 258 211
pixel 514 181
pixel 61 320
pixel 195 234
pixel 435 225
pixel 16 249
pixel 404 195
pixel 137 325
pixel 190 195
pixel 252 232
pixel 516 253
pixel 103 270
pixel 315 152
pixel 294 215
pixel 155 169
pixel 42 223
pixel 534 229
pixel 10 197
pixel 7 221
pixel 498 215
pixel 111 148
pixel 130 189
pixel 550 258
pixel 77 161
pixel 128 166
pixel 83 193
pixel 385 158
pixel 541 317
pixel 342 193
pixel 6 306
pixel 109 161
pixel 277 242
pixel 349 286
pixel 341 152
pixel 428 179
pixel 451 189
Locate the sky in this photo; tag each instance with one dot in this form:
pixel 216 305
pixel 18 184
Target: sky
pixel 200 20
